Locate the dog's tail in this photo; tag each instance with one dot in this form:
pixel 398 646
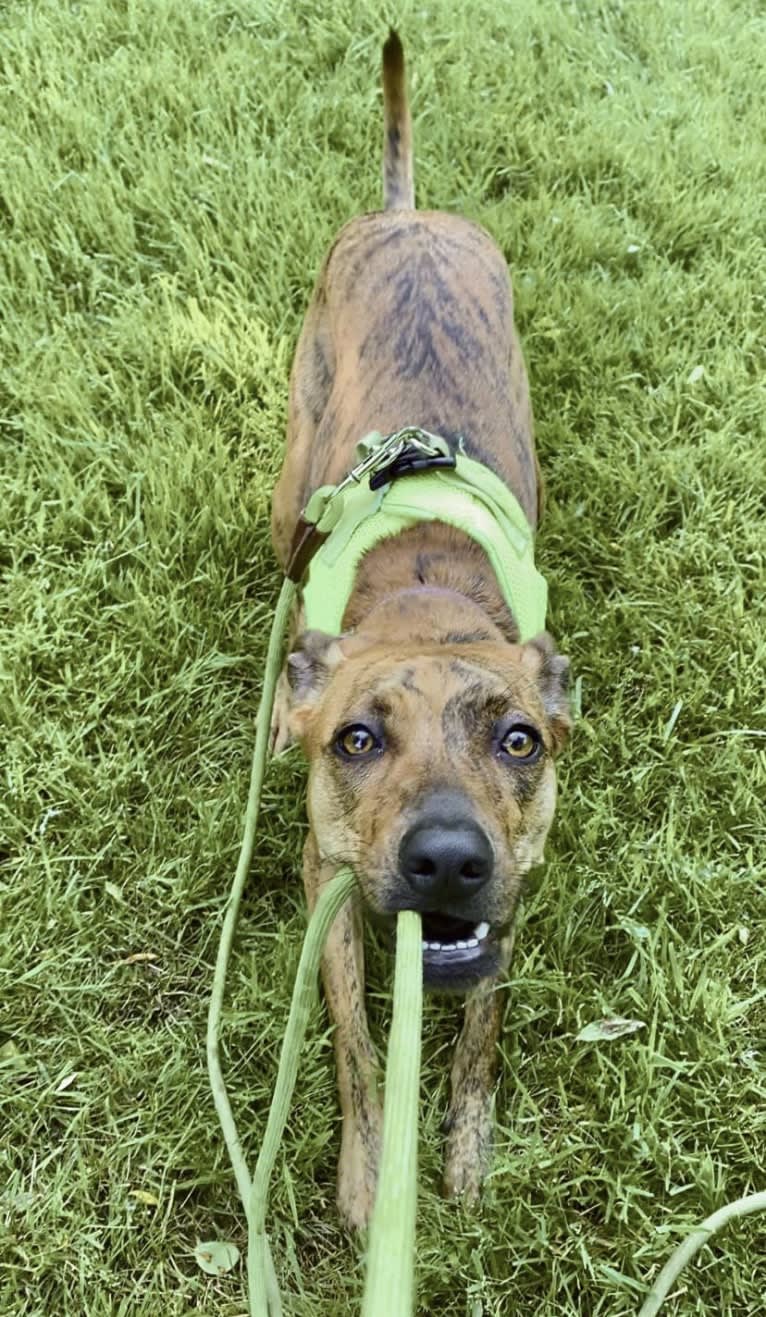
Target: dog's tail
pixel 398 182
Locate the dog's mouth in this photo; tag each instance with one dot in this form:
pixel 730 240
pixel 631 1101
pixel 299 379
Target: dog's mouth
pixel 445 935
pixel 456 952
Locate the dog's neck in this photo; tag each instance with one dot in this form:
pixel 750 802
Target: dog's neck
pixel 437 582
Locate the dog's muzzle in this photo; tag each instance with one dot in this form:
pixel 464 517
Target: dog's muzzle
pixel 446 858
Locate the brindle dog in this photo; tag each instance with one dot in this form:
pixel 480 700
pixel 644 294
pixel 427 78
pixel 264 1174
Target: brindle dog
pixel 430 730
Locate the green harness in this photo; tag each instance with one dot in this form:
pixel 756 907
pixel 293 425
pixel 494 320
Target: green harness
pixel 345 521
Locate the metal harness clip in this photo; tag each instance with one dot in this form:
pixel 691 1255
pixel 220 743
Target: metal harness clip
pixel 400 453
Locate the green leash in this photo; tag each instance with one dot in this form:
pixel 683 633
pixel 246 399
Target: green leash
pixel 391 1257
pixel 258 768
pixel 692 1244
pixel 264 1295
pixel 217 1084
pixel 389 1288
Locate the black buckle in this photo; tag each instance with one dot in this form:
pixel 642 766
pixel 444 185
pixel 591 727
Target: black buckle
pixel 409 462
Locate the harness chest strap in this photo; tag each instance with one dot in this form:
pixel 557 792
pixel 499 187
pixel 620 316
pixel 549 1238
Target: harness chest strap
pixel 342 523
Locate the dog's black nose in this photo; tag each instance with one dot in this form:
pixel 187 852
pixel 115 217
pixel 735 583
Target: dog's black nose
pixel 446 860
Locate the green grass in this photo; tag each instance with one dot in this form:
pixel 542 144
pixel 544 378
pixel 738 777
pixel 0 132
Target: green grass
pixel 170 174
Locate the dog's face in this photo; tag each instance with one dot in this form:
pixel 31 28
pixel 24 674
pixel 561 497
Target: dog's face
pixel 432 774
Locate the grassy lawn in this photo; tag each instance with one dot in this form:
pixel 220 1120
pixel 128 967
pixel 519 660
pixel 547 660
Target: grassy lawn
pixel 170 174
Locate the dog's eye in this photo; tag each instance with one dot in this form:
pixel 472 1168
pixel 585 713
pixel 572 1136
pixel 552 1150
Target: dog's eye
pixel 520 742
pixel 356 740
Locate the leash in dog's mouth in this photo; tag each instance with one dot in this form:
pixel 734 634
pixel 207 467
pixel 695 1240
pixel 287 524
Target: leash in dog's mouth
pixel 457 953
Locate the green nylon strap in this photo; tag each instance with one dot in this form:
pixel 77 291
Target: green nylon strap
pixel 389 1291
pixel 264 1295
pixel 264 1291
pixel 471 498
pixel 692 1244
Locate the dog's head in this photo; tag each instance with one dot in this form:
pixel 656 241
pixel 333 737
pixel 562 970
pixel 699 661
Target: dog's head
pixel 432 774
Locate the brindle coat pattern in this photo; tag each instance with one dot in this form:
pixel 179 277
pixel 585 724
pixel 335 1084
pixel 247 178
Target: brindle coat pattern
pixel 411 322
pixel 412 316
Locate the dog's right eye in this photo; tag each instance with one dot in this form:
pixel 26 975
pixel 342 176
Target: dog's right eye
pixel 356 740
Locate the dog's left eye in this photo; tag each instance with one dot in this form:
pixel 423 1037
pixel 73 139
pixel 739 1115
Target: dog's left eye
pixel 356 740
pixel 520 743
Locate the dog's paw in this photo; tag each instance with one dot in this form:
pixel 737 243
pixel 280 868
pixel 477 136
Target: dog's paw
pixel 358 1172
pixel 279 736
pixel 468 1151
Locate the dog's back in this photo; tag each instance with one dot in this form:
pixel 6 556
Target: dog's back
pixel 411 323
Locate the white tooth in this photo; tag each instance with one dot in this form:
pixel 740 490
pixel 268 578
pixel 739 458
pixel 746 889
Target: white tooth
pixel 435 946
pixel 461 946
pixel 472 942
pixel 480 931
pixel 424 946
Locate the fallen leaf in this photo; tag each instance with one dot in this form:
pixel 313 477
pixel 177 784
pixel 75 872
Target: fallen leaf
pixel 216 1257
pixel 8 1050
pixel 603 1031
pixel 66 1083
pixel 696 374
pixel 142 1196
pixel 137 957
pixel 639 931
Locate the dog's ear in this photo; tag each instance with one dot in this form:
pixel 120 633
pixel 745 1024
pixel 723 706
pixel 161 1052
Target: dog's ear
pixel 309 669
pixel 551 673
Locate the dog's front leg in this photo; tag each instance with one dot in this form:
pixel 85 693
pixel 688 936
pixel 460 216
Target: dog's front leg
pixel 468 1125
pixel 357 1066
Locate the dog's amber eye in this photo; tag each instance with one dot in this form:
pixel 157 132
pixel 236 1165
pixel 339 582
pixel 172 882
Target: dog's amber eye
pixel 356 740
pixel 520 742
